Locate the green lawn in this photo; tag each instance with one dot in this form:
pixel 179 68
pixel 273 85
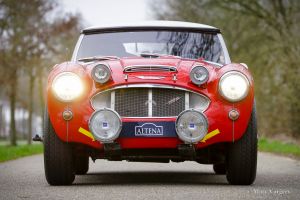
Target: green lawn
pixel 278 147
pixel 12 152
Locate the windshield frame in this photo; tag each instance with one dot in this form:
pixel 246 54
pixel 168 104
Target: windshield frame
pixel 82 35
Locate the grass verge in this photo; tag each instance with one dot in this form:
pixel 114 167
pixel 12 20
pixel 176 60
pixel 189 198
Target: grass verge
pixel 278 147
pixel 12 152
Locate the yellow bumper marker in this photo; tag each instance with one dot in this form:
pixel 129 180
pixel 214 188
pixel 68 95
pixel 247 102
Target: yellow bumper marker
pixel 210 135
pixel 86 133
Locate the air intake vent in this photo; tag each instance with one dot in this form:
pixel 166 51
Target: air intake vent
pixel 150 68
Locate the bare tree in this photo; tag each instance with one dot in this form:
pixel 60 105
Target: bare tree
pixel 265 35
pixel 26 43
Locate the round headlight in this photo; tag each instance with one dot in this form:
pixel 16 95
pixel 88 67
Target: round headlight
pixel 191 126
pixel 101 73
pixel 199 75
pixel 234 86
pixel 105 125
pixel 67 86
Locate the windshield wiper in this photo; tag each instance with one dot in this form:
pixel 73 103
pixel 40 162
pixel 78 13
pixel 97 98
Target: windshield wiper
pixel 98 58
pixel 156 55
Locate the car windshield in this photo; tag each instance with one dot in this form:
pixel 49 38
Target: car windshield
pixel 192 45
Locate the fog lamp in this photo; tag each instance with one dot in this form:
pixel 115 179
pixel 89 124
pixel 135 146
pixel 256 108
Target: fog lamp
pixel 191 126
pixel 105 125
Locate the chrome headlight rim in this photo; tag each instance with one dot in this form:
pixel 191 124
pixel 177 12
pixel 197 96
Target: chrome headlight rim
pixel 196 82
pixel 227 74
pixel 108 70
pixel 59 76
pixel 186 139
pixel 116 135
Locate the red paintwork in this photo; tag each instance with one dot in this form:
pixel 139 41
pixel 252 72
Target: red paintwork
pixel 217 113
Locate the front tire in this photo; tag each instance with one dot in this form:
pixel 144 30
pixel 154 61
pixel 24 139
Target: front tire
pixel 242 156
pixel 58 158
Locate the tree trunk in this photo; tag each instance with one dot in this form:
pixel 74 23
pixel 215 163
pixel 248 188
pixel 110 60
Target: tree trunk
pixel 41 94
pixel 30 108
pixel 1 121
pixel 12 99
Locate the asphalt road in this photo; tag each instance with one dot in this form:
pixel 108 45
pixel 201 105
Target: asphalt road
pixel 278 178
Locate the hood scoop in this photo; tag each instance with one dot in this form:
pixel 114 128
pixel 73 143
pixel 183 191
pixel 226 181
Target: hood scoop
pixel 150 68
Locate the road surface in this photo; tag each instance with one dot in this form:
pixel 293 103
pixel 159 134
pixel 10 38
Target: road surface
pixel 278 178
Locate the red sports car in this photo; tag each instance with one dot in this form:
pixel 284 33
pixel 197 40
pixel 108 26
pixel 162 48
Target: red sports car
pixel 152 92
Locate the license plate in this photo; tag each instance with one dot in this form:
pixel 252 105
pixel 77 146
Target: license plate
pixel 148 129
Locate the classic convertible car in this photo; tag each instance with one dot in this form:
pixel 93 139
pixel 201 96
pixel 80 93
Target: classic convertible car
pixel 152 92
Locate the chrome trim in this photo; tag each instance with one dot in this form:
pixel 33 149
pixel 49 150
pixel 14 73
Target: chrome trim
pixel 112 100
pixel 150 102
pixel 150 77
pixel 150 86
pixel 214 63
pixel 245 65
pixel 141 68
pixel 126 77
pixel 174 77
pixel 168 117
pixel 187 100
pixel 76 49
pixel 225 51
pixel 228 74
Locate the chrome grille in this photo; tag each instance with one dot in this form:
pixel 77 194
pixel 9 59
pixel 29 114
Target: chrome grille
pixel 131 102
pixel 149 101
pixel 167 102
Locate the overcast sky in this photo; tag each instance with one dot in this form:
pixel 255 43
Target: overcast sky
pixel 96 12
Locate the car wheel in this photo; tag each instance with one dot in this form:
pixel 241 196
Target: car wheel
pixel 220 168
pixel 81 165
pixel 58 159
pixel 242 156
